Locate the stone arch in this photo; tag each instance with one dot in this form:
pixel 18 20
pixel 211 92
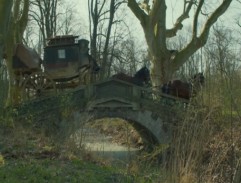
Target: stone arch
pixel 150 126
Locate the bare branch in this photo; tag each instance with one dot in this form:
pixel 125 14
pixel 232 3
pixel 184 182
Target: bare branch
pixel 145 6
pixel 178 25
pixel 139 13
pixel 200 41
pixel 195 21
pixel 212 19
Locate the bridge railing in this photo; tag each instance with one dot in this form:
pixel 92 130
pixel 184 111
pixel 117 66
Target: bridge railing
pixel 158 96
pixel 118 93
pixel 111 93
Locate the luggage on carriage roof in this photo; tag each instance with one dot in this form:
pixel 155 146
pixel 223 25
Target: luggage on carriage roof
pixel 61 40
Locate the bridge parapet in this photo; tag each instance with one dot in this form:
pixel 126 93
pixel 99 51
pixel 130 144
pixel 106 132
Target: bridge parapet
pixel 113 93
pixel 111 98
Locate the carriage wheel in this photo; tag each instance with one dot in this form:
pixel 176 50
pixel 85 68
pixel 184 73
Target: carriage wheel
pixel 38 85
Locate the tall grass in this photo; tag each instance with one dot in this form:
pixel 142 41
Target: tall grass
pixel 191 134
pixel 206 143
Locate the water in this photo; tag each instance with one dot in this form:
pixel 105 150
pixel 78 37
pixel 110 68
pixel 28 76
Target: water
pixel 102 146
pixel 120 156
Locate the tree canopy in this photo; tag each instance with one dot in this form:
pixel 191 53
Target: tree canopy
pixel 153 16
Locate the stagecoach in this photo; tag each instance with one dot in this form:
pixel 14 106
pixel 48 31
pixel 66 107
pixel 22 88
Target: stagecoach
pixel 66 64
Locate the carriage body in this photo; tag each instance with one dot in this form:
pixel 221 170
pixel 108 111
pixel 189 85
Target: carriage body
pixel 66 62
pixel 64 57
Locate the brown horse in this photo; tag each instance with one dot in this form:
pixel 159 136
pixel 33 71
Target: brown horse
pixel 141 77
pixel 182 89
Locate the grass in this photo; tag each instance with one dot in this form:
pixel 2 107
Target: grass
pixel 47 170
pixel 203 150
pixel 27 155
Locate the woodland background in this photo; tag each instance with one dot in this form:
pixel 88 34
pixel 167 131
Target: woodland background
pixel 208 146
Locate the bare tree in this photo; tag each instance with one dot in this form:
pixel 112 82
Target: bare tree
pixel 51 18
pixel 152 17
pixel 5 14
pixel 102 19
pixel 13 21
pixel 45 17
pixel 128 57
pixel 66 23
pixel 221 51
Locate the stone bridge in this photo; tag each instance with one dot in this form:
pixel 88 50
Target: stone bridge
pixel 147 112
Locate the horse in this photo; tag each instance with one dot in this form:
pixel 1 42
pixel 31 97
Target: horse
pixel 140 78
pixel 182 89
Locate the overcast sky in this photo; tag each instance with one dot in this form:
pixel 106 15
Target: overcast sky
pixel 228 18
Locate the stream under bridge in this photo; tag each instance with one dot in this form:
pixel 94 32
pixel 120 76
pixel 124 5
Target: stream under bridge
pixel 147 111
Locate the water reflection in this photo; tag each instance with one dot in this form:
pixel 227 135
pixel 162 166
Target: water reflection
pixel 102 146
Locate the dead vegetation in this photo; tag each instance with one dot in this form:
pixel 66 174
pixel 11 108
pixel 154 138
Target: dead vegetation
pixel 120 131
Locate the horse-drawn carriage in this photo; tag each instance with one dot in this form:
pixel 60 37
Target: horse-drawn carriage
pixel 66 64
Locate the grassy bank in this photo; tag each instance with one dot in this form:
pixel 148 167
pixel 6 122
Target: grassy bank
pixel 56 170
pixel 26 155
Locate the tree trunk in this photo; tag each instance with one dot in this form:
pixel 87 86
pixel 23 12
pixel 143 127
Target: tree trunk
pixel 94 17
pixel 159 75
pixel 152 17
pixel 5 15
pixel 18 18
pixel 105 64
